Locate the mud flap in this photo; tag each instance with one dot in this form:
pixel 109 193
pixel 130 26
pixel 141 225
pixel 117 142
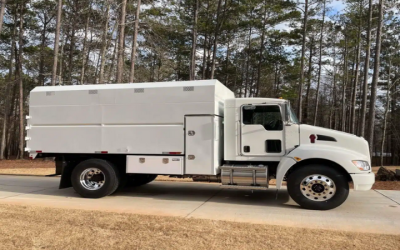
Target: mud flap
pixel 66 172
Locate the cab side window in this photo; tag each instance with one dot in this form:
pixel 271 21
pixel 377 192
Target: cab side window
pixel 268 116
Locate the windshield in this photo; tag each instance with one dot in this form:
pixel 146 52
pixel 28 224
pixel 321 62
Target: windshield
pixel 291 115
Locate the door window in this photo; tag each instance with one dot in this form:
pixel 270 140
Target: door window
pixel 269 116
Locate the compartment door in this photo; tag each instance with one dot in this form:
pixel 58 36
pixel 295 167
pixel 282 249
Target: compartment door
pixel 203 141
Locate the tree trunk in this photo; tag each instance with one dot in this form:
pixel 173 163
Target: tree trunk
pixel 386 111
pixel 309 74
pixel 3 8
pixel 247 64
pixel 20 81
pixel 349 115
pixel 215 39
pixel 209 44
pixel 375 78
pixel 194 41
pixel 226 64
pixel 261 49
pixel 42 47
pixel 84 50
pixel 204 65
pixel 134 44
pixel 354 97
pixel 321 39
pixel 115 52
pixel 13 112
pixel 121 38
pixel 71 55
pixel 344 85
pixel 60 76
pixel 366 69
pixel 87 60
pixel 7 100
pixel 303 51
pixel 333 103
pixel 104 45
pixel 56 41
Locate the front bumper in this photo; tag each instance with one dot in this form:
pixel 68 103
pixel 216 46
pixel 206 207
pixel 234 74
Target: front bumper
pixel 363 181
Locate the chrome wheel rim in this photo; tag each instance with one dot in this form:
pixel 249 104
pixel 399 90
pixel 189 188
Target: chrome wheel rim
pixel 92 179
pixel 318 187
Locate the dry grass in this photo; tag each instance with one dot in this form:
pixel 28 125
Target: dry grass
pixel 39 163
pixel 166 178
pixel 27 167
pixel 26 171
pixel 386 185
pixel 29 227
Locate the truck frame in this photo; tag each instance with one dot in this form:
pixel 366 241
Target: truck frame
pixel 104 137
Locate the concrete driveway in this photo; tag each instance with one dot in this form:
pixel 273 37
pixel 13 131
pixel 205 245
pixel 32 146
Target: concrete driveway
pixel 373 211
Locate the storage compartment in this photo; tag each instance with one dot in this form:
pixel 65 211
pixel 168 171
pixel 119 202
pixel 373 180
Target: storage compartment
pixel 204 148
pixel 144 164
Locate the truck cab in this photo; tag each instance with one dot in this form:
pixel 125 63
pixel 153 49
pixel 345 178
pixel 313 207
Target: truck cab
pixel 104 137
pixel 317 163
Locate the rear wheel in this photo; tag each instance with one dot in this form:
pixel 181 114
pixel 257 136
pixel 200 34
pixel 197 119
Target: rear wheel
pixel 95 178
pixel 318 187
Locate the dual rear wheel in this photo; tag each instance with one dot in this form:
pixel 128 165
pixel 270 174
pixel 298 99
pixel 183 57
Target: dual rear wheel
pixel 96 178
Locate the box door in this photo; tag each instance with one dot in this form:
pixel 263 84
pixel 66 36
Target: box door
pixel 203 141
pixel 262 130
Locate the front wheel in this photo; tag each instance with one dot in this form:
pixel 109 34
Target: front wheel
pixel 318 187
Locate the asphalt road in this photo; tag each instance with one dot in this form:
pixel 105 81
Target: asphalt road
pixel 373 211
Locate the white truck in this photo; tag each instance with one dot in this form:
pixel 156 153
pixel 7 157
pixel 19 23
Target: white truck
pixel 106 136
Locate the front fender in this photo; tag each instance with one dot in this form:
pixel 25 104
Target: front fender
pixel 342 157
pixel 284 165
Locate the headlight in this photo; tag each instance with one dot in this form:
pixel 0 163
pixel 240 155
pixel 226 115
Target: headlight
pixel 362 165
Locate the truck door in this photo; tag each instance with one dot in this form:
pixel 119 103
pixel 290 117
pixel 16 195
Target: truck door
pixel 262 130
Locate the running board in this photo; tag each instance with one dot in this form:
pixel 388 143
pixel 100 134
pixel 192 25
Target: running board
pixel 251 176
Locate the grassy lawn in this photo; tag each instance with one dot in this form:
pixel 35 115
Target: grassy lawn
pixel 31 227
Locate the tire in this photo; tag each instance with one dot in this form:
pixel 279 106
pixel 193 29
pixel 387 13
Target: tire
pixel 137 180
pixel 318 187
pixel 103 172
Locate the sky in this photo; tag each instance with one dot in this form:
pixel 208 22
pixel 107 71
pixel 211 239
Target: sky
pixel 336 6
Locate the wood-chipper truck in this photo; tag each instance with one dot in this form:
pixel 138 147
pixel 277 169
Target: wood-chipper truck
pixel 106 136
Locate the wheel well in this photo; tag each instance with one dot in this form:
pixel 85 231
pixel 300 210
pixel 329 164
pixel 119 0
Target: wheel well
pixel 325 162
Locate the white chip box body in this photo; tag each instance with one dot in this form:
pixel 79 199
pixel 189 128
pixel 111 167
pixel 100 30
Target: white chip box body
pixel 140 118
